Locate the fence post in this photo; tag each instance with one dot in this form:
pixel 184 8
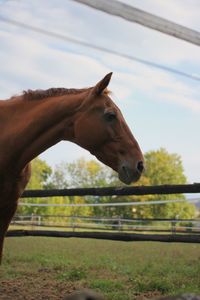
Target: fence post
pixel 119 224
pixel 73 224
pixel 39 220
pixel 173 227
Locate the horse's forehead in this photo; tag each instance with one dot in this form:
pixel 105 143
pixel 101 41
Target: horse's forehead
pixel 106 103
pixel 110 103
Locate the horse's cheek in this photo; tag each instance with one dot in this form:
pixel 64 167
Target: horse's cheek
pixel 89 134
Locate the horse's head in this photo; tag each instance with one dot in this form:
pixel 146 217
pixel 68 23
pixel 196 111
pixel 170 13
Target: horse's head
pixel 101 129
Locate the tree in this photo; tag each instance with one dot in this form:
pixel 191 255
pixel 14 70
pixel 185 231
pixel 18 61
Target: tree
pixel 58 179
pixel 82 173
pixel 163 167
pixel 90 173
pixel 41 172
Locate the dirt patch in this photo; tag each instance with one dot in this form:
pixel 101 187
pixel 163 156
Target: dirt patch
pixel 44 288
pixel 41 288
pixel 148 295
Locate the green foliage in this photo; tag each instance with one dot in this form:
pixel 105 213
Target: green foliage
pixel 41 172
pixel 58 178
pixel 82 173
pixel 164 168
pixel 161 168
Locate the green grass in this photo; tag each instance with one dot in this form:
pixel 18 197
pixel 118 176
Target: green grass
pixel 120 270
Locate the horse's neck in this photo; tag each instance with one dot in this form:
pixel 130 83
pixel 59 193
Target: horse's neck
pixel 30 127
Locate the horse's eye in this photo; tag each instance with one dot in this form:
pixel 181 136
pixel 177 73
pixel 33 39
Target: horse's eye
pixel 110 116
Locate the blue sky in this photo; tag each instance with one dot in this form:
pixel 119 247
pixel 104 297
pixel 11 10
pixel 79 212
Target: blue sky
pixel 162 109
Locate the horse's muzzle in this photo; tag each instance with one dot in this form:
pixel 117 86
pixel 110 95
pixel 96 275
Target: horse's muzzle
pixel 128 174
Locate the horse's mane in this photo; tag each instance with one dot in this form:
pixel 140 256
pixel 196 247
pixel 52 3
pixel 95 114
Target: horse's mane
pixel 53 92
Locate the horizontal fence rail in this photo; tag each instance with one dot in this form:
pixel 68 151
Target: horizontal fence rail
pixel 112 227
pixel 66 222
pixel 116 236
pixel 118 191
pixel 108 204
pixel 96 218
pixel 115 228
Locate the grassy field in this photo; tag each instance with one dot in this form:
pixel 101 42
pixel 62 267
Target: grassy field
pixel 49 268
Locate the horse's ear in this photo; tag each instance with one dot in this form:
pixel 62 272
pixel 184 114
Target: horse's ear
pixel 98 89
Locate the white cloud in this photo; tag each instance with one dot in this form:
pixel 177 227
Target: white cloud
pixel 162 86
pixel 183 101
pixel 39 66
pixel 33 64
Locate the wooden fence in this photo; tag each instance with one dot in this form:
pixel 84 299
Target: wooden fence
pixel 174 236
pixel 122 191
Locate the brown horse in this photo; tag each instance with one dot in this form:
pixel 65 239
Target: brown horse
pixel 36 120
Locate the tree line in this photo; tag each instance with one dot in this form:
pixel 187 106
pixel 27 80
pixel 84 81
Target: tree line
pixel 162 167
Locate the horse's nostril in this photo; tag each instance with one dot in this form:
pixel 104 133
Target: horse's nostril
pixel 140 166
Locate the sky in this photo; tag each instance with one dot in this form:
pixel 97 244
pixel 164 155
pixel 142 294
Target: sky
pixel 161 108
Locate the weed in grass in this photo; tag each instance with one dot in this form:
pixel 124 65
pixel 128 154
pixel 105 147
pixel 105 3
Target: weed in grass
pixel 8 273
pixel 75 274
pixel 112 289
pixel 106 285
pixel 145 284
pixel 119 295
pixel 158 284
